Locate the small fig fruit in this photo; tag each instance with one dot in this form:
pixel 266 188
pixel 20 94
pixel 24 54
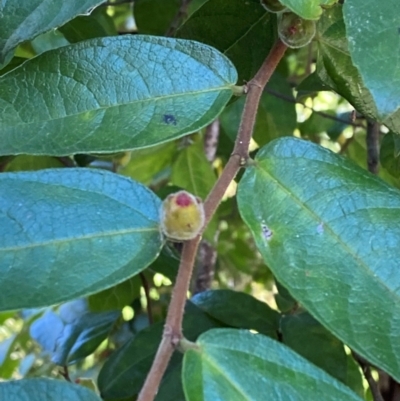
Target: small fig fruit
pixel 273 6
pixel 182 216
pixel 295 31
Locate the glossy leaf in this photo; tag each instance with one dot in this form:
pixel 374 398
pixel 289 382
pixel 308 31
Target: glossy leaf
pixel 192 171
pixel 70 232
pixel 112 94
pixel 73 333
pixel 238 365
pixel 236 28
pixel 368 25
pixel 240 310
pixel 336 69
pixel 330 233
pixel 45 390
pixel 22 20
pixel 123 375
pixel 305 335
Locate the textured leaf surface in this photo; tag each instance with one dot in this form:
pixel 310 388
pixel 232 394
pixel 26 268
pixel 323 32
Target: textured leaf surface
pixel 45 390
pixel 330 232
pixel 367 25
pixel 238 365
pixel 236 28
pixel 69 232
pixel 337 71
pixel 22 20
pixel 112 94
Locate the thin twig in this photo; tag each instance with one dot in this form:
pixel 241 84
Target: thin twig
pixel 65 373
pixel 321 113
pixel 366 369
pixel 173 326
pixel 146 288
pixel 373 129
pixel 180 15
pixel 66 161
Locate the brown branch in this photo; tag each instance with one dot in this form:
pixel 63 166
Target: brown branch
pixel 173 326
pixel 366 369
pixel 180 15
pixel 321 113
pixel 146 288
pixel 373 129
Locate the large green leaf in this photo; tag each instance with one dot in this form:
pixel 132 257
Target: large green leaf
pixel 375 25
pixel 70 232
pixel 336 69
pixel 112 94
pixel 45 390
pixel 330 232
pixel 238 365
pixel 242 30
pixel 22 20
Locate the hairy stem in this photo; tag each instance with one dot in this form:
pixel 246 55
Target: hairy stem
pixel 173 326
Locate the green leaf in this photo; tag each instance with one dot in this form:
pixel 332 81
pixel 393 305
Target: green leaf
pixel 117 297
pixel 329 231
pixel 112 94
pixel 154 17
pixel 236 28
pixel 306 336
pixel 238 365
pixel 45 390
pixel 96 25
pixel 336 69
pixel 30 163
pixel 192 171
pixel 146 163
pixel 123 375
pixel 307 9
pixel 390 154
pixel 73 333
pixel 369 24
pixel 72 232
pixel 22 20
pixel 240 310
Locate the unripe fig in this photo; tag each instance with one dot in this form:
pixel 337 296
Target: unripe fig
pixel 273 6
pixel 182 216
pixel 295 31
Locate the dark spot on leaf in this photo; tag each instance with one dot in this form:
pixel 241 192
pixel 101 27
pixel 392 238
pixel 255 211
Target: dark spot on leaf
pixel 266 232
pixel 169 119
